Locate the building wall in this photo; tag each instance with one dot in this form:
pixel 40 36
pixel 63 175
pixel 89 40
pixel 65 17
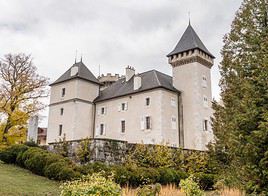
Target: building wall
pixel 77 119
pixel 188 79
pixel 159 109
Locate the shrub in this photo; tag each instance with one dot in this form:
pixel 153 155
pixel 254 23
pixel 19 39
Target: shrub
pixel 121 175
pixel 167 175
pixel 60 171
pixel 83 152
pixel 95 184
pixel 205 181
pixel 9 154
pixel 142 176
pixel 190 187
pixel 149 190
pixel 36 161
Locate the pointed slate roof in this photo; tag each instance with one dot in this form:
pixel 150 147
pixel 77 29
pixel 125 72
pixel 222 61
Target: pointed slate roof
pixel 188 41
pixel 83 73
pixel 149 80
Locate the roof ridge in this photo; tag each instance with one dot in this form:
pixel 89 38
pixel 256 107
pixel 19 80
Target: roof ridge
pixel 157 77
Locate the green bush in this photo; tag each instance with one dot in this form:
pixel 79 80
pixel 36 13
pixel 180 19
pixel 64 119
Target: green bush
pixel 95 184
pixel 190 187
pixel 167 175
pixel 205 181
pixel 60 171
pixel 9 154
pixel 121 175
pixel 142 176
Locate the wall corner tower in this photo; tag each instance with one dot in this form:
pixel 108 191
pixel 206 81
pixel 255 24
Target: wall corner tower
pixel 191 64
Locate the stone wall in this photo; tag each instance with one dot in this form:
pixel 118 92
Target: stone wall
pixel 103 150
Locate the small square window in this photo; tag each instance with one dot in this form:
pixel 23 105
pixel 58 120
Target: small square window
pixel 61 111
pixel 147 101
pixel 60 130
pixel 123 126
pixel 148 122
pixel 63 92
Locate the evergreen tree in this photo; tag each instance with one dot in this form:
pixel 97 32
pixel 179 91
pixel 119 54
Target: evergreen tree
pixel 240 123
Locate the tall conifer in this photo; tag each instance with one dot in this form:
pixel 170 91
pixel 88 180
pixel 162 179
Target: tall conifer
pixel 241 121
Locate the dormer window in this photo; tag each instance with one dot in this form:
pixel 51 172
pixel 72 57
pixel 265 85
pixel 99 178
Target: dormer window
pixel 74 70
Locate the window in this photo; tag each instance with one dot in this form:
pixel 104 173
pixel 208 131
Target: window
pixel 204 81
pixel 205 101
pixel 147 101
pixel 60 130
pixel 205 125
pixel 148 122
pixel 103 110
pixel 173 122
pixel 63 92
pixel 61 111
pixel 102 131
pixel 123 126
pixel 173 102
pixel 122 107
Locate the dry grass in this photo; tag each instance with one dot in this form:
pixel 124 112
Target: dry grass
pixel 172 190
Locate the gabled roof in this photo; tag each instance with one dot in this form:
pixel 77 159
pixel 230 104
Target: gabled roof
pixel 189 41
pixel 83 73
pixel 149 80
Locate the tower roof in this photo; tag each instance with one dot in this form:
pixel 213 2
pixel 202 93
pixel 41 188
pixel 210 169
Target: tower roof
pixel 189 41
pixel 82 73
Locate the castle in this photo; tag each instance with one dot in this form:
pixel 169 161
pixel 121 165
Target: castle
pixel 149 107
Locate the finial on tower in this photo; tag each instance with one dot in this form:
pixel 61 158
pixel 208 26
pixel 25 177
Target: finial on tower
pixel 75 56
pixel 189 15
pixel 81 58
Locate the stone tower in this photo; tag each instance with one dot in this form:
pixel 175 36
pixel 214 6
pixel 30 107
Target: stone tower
pixel 71 109
pixel 191 63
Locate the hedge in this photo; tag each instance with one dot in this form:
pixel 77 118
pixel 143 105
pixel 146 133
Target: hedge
pixel 57 167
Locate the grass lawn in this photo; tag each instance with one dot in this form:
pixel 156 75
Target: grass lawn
pixel 18 181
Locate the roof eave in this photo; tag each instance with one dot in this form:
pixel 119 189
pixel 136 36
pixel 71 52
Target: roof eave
pixel 77 77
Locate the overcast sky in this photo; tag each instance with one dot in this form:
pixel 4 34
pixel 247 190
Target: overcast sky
pixel 112 34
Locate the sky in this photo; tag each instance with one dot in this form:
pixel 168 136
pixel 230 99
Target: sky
pixel 111 34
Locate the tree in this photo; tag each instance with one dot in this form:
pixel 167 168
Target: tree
pixel 20 91
pixel 240 123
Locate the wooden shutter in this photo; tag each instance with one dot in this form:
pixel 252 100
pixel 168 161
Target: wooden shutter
pixel 142 122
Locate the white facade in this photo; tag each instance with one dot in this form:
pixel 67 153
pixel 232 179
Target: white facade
pixel 175 111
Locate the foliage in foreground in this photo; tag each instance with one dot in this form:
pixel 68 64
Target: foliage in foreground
pixel 190 187
pixel 95 184
pixel 240 123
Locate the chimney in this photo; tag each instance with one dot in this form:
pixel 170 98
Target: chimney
pixel 137 82
pixel 130 71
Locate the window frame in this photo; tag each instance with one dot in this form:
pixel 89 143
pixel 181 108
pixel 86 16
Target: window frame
pixel 147 101
pixel 63 92
pixel 123 126
pixel 148 122
pixel 102 129
pixel 60 129
pixel 205 125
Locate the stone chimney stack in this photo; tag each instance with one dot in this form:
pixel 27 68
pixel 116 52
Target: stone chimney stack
pixel 137 82
pixel 130 71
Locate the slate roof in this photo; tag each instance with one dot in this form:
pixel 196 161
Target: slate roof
pixel 83 73
pixel 188 41
pixel 149 80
